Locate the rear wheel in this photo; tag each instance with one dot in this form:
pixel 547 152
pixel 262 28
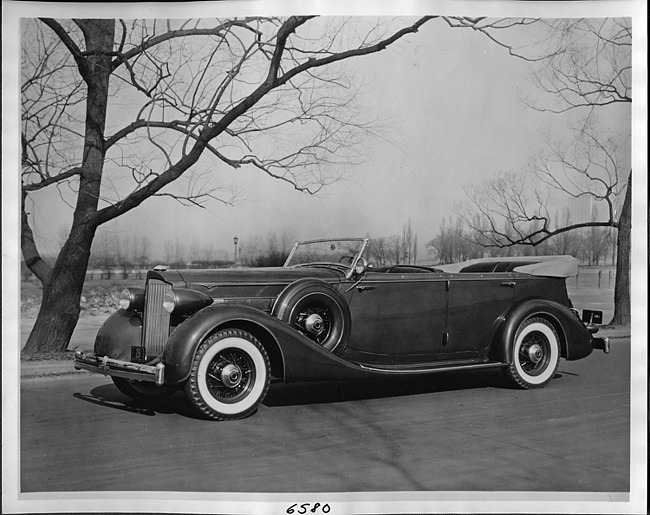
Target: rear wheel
pixel 535 354
pixel 142 390
pixel 230 375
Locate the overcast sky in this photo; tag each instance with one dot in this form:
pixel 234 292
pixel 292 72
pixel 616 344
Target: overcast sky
pixel 450 107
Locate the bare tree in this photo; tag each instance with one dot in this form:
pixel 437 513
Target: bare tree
pixel 587 63
pixel 414 251
pixel 140 248
pixel 410 240
pixel 395 249
pixel 568 242
pixel 590 67
pixel 596 241
pixel 272 249
pixel 453 243
pixel 174 253
pixel 103 253
pixel 442 246
pixel 236 90
pixel 377 250
pixel 186 97
pixel 513 207
pixel 587 66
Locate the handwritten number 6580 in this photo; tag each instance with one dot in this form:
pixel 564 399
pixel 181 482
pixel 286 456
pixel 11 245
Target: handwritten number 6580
pixel 304 507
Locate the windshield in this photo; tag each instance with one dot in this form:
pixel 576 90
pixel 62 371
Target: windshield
pixel 344 252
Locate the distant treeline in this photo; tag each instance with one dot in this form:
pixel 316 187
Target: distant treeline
pixel 129 257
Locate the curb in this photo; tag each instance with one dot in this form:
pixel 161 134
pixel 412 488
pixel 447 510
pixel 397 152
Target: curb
pixel 48 369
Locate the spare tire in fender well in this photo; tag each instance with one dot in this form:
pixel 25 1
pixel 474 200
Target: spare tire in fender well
pixel 317 310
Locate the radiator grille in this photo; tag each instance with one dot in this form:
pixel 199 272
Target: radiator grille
pixel 156 319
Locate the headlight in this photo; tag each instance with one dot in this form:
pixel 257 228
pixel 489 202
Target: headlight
pixel 169 301
pixel 132 299
pixel 182 302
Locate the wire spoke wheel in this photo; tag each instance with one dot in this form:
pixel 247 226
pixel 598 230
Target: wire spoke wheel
pixel 315 321
pixel 230 375
pixel 535 354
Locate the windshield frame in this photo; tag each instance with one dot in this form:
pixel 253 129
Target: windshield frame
pixel 350 267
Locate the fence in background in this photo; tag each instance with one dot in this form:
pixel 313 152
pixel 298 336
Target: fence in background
pixel 602 278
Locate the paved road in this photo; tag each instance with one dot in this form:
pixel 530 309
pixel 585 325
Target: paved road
pixel 461 431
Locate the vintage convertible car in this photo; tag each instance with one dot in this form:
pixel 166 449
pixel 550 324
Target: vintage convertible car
pixel 222 335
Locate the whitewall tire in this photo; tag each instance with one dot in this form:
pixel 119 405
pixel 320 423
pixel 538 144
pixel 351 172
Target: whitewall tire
pixel 535 354
pixel 230 375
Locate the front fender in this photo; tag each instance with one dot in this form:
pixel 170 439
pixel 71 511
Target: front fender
pixel 575 340
pixel 302 359
pixel 119 332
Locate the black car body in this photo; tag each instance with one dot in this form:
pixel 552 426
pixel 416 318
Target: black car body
pixel 221 335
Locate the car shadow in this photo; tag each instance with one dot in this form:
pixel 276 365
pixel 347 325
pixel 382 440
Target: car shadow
pixel 282 394
pixel 293 394
pixel 109 396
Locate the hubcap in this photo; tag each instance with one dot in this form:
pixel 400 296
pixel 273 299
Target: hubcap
pixel 535 353
pixel 314 324
pixel 231 375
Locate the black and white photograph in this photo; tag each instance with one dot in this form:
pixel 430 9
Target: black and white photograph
pixel 292 258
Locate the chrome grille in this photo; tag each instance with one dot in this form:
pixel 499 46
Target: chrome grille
pixel 156 320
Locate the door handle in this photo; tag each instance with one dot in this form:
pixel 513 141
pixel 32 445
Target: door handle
pixel 364 288
pixel 509 283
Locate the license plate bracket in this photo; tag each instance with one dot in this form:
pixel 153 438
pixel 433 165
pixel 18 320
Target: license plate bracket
pixel 592 316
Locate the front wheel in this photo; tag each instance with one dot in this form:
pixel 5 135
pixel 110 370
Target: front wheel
pixel 230 375
pixel 535 354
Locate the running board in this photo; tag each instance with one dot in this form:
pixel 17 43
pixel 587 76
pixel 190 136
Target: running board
pixel 437 368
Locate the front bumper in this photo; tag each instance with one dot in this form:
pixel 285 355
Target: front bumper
pixel 115 367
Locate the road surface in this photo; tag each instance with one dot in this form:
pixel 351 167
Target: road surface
pixel 453 432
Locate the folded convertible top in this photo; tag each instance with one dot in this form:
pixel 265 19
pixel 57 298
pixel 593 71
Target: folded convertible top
pixel 547 266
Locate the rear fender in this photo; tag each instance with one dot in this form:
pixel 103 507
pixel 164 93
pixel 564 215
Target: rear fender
pixel 293 355
pixel 575 340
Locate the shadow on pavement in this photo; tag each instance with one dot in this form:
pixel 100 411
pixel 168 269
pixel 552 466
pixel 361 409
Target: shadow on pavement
pixel 110 397
pixel 295 394
pixel 281 394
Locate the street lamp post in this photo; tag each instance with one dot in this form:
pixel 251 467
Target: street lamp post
pixel 235 241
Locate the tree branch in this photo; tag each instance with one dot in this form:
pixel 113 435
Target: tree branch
pixel 48 181
pixel 72 47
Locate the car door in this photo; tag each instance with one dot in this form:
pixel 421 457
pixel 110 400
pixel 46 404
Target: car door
pixel 397 318
pixel 475 303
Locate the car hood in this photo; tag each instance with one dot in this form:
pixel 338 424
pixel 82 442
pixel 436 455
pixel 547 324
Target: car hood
pixel 235 276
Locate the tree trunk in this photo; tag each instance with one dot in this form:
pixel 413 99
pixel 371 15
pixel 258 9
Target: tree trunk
pixel 622 288
pixel 59 311
pixel 62 288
